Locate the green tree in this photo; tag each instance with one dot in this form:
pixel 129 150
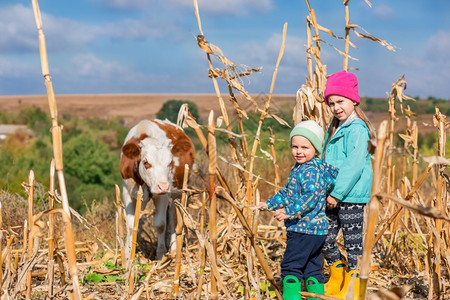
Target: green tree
pixel 91 170
pixel 170 110
pixel 89 160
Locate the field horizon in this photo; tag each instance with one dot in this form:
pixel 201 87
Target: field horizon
pixel 135 107
pixel 130 107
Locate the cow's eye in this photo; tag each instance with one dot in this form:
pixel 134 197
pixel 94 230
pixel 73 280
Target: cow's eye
pixel 147 165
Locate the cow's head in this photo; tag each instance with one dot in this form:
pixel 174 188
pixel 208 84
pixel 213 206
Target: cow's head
pixel 150 161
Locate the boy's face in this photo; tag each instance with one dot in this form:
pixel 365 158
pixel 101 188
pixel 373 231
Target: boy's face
pixel 301 149
pixel 341 107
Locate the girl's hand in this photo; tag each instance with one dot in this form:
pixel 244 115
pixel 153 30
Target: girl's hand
pixel 280 215
pixel 332 202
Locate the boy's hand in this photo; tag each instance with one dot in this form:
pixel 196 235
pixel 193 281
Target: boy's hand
pixel 280 215
pixel 332 202
pixel 260 206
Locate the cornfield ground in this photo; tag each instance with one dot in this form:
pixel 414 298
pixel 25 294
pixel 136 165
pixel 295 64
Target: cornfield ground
pixel 401 257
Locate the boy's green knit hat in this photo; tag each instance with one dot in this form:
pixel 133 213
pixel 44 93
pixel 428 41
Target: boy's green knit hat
pixel 310 130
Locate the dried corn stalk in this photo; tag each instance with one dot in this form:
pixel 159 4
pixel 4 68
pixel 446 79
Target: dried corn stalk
pixel 57 152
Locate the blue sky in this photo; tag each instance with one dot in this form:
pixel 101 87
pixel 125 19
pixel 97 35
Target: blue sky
pixel 149 46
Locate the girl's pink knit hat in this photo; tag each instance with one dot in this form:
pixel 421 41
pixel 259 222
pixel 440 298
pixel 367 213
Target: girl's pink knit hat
pixel 343 84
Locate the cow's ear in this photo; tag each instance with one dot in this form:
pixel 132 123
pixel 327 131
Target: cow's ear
pixel 181 147
pixel 129 163
pixel 131 149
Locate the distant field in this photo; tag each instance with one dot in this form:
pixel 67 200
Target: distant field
pixel 135 107
pixel 130 107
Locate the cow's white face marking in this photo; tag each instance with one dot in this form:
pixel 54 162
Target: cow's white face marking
pixel 155 166
pixel 176 161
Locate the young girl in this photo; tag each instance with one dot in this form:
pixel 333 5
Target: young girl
pixel 346 147
pixel 301 204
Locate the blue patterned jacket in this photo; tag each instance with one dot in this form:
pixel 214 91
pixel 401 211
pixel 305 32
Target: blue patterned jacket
pixel 304 197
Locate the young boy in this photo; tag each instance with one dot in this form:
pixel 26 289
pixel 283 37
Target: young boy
pixel 301 204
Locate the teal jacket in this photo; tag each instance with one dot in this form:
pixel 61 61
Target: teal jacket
pixel 304 197
pixel 348 151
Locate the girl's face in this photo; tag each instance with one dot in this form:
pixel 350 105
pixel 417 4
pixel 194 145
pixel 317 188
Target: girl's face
pixel 301 149
pixel 341 107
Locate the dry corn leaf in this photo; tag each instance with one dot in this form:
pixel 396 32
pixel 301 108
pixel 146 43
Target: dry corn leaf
pixel 437 160
pixel 408 112
pixel 228 132
pixel 212 49
pixel 345 54
pixel 395 293
pixel 326 30
pixel 37 229
pixel 439 118
pixel 183 112
pixel 371 37
pixel 279 120
pixel 432 212
pixel 406 138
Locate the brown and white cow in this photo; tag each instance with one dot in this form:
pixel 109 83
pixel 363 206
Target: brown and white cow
pixel 153 156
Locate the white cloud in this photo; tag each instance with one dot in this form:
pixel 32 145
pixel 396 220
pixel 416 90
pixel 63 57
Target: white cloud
pixel 292 68
pixel 129 29
pixel 19 32
pixel 89 65
pixel 126 4
pixel 267 53
pixel 383 11
pixel 63 34
pixel 88 73
pixel 438 46
pixel 427 73
pixel 234 7
pixel 16 68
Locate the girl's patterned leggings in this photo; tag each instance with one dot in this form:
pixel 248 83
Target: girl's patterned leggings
pixel 349 217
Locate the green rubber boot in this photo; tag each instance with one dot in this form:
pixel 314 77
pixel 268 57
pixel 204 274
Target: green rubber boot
pixel 291 288
pixel 314 286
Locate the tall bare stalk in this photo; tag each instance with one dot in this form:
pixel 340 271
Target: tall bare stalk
pixel 407 141
pixel 57 152
pixel 189 120
pixel 415 145
pixel 249 195
pixel 130 264
pixel 439 122
pixel 119 227
pixel 276 168
pixel 373 209
pixel 51 229
pixel 179 233
pixel 392 120
pixel 348 26
pixel 212 196
pixel 202 253
pixel 30 191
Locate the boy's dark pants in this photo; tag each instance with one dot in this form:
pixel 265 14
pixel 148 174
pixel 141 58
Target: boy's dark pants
pixel 303 256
